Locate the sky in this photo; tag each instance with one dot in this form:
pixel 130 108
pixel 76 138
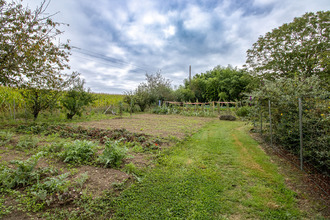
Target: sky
pixel 116 42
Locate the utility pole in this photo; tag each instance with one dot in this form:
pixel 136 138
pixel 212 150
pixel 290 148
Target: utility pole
pixel 190 76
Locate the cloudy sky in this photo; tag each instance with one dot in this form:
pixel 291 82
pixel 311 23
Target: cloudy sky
pixel 116 42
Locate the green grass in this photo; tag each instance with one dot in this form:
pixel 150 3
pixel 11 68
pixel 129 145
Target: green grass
pixel 219 173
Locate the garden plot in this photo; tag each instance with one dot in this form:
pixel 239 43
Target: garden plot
pixel 53 170
pixel 156 125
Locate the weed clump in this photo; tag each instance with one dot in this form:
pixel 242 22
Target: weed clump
pixel 113 154
pixel 79 152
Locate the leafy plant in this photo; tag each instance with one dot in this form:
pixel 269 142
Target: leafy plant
pixel 27 142
pixel 243 111
pixel 77 98
pixel 4 210
pixel 25 173
pixel 113 154
pixel 79 152
pixel 5 137
pixel 82 179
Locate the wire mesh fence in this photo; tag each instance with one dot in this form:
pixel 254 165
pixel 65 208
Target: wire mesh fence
pixel 298 130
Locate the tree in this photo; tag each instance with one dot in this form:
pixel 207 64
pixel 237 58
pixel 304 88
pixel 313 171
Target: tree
pixel 40 98
pixel 156 88
pixel 29 58
pixel 226 83
pixel 28 55
pixel 299 48
pixel 77 98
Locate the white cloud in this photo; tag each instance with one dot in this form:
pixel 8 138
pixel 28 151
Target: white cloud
pixel 169 31
pixel 196 19
pixel 168 35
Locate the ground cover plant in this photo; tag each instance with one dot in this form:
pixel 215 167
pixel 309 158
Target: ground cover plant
pixel 220 172
pixel 49 167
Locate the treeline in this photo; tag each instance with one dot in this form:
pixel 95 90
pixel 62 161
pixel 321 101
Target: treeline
pixel 218 84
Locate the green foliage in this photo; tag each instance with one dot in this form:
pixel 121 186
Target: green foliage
pixel 299 48
pixel 27 142
pixel 9 96
pixel 284 94
pixel 103 100
pixel 28 55
pixel 4 210
pixel 77 98
pixel 243 111
pixel 113 154
pixel 5 137
pixel 50 185
pixel 25 174
pixel 156 88
pixel 183 94
pixel 40 99
pixel 79 152
pixel 227 84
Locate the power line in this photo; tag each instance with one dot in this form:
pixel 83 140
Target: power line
pixel 119 63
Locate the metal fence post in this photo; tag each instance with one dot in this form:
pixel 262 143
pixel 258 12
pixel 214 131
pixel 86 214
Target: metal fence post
pixel 260 120
pixel 270 124
pixel 14 110
pixel 301 135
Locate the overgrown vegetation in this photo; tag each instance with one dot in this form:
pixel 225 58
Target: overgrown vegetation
pixel 113 154
pixel 283 94
pixel 76 99
pixel 79 152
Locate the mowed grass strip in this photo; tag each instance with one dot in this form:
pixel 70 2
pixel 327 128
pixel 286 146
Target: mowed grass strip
pixel 219 173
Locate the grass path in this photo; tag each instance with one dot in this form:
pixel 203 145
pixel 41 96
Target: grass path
pixel 219 173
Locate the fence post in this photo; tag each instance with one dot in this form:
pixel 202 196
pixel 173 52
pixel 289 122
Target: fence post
pixel 260 120
pixel 14 110
pixel 301 134
pixel 270 124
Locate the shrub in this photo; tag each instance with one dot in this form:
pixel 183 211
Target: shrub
pixel 227 117
pixel 79 152
pixel 113 154
pixel 77 98
pixel 243 111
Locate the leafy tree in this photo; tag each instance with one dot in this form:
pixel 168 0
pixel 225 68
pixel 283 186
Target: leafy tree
pixel 183 94
pixel 77 98
pixel 41 98
pixel 299 48
pixel 28 55
pixel 156 88
pixel 226 83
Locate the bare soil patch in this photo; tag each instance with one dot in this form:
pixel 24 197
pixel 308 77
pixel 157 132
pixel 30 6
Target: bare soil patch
pixel 156 125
